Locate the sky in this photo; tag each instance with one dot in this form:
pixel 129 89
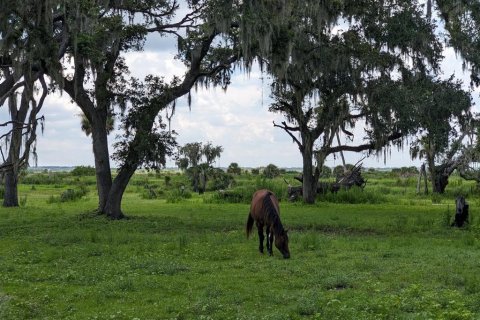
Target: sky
pixel 238 119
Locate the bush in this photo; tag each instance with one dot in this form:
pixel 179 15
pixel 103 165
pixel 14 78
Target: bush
pixel 326 172
pixel 243 194
pixel 44 178
pixel 178 195
pixel 23 201
pixel 83 171
pixel 151 192
pixel 338 171
pixel 238 195
pixel 271 171
pixel 69 195
pixel 168 179
pixel 233 168
pixel 220 180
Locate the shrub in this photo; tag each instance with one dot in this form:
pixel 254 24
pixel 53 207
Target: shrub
pixel 150 192
pixel 44 178
pixel 338 171
pixel 241 194
pixel 220 179
pixel 326 172
pixel 271 171
pixel 83 171
pixel 168 179
pixel 233 168
pixel 69 195
pixel 178 195
pixel 23 201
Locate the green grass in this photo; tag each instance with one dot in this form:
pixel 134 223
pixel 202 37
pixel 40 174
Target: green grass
pixel 390 259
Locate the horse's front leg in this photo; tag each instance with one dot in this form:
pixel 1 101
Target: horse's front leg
pixel 260 237
pixel 269 240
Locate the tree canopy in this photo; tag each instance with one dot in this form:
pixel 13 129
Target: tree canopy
pixel 361 66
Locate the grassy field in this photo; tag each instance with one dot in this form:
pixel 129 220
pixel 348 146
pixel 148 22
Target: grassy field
pixel 380 253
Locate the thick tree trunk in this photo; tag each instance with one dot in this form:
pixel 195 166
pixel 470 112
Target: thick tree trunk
pixel 439 181
pixel 10 198
pixel 113 206
pixel 102 160
pixel 439 176
pixel 97 116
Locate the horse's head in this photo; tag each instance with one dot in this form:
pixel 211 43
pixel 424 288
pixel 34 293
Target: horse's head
pixel 281 242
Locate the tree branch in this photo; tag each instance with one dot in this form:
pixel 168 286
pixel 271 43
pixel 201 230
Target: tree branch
pixel 364 147
pixel 288 130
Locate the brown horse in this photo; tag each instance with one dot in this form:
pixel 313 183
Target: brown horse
pixel 264 210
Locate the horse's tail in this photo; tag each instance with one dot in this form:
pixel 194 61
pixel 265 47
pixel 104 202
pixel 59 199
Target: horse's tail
pixel 249 226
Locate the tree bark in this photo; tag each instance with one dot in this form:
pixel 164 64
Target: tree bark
pixel 18 117
pixel 97 116
pixel 113 205
pixel 10 198
pixel 102 160
pixel 440 174
pixel 309 182
pixel 440 182
pixel 422 174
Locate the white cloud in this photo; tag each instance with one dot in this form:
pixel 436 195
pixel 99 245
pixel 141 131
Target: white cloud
pixel 160 63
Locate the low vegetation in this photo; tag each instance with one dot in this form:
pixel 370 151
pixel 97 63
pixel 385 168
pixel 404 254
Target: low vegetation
pixel 378 253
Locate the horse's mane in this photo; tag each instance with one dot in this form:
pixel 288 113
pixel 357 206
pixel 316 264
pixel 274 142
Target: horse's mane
pixel 272 213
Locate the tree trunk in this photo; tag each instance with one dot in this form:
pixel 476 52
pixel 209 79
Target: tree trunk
pixel 102 160
pixel 422 174
pixel 113 206
pixel 341 154
pixel 97 115
pixel 203 182
pixel 439 176
pixel 435 175
pixel 18 117
pixel 309 182
pixel 10 198
pixel 439 180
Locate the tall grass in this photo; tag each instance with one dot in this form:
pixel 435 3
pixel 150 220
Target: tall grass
pixel 354 195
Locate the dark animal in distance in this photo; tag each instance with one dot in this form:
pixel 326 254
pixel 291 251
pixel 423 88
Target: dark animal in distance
pixel 461 212
pixel 265 211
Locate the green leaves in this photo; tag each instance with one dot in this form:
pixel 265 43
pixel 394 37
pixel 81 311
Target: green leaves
pixel 462 20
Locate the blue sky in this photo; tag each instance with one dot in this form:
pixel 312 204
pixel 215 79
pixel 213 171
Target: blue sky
pixel 237 119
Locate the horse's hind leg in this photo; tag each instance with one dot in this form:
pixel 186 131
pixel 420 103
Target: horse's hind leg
pixel 260 237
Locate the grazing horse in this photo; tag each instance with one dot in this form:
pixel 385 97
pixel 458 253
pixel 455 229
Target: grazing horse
pixel 461 214
pixel 264 210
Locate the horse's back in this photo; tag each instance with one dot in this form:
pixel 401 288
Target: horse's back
pixel 256 207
